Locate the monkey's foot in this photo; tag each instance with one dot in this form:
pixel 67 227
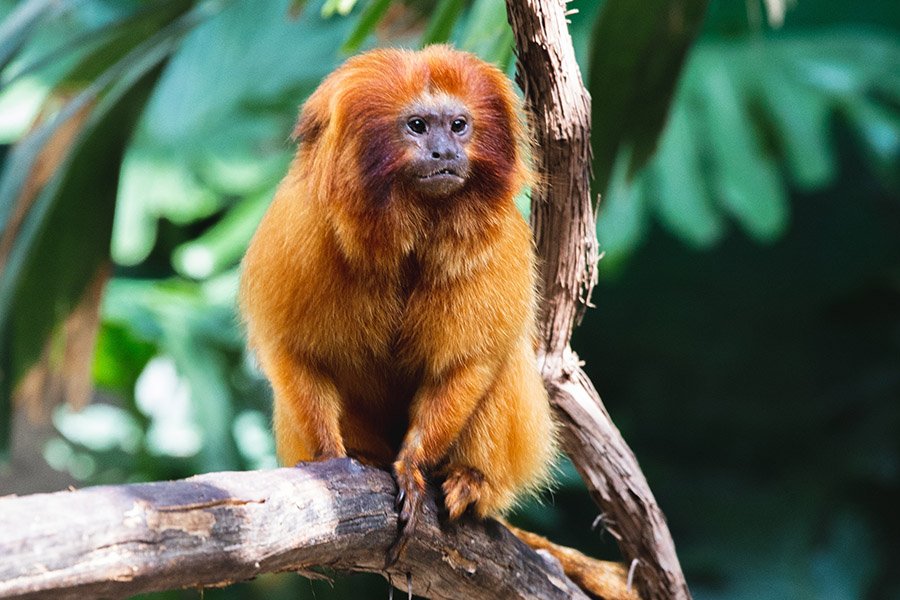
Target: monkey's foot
pixel 411 486
pixel 464 487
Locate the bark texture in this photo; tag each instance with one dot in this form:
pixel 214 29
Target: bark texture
pixel 215 529
pixel 564 224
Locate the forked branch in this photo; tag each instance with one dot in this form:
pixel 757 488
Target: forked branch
pixel 563 219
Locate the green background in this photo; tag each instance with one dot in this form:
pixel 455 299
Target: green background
pixel 746 335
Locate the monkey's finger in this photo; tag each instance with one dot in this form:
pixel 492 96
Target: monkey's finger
pixel 396 549
pixel 410 507
pixel 405 512
pixel 399 547
pixel 408 520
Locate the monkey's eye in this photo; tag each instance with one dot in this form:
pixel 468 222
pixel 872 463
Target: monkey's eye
pixel 417 125
pixel 458 125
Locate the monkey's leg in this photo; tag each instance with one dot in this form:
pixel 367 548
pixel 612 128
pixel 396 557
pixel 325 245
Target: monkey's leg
pixel 504 451
pixel 307 411
pixel 506 448
pixel 439 412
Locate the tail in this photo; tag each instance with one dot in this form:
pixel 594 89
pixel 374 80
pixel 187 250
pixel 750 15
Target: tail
pixel 602 580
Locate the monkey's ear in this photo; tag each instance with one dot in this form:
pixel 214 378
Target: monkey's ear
pixel 309 126
pixel 316 112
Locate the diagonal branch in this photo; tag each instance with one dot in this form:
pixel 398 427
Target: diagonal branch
pixel 564 224
pixel 218 528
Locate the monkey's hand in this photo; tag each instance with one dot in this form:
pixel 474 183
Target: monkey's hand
pixel 411 493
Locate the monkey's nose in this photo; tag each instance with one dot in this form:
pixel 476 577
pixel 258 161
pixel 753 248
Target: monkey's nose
pixel 445 153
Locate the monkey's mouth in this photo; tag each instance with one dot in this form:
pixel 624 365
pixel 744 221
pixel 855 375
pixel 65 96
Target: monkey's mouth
pixel 440 174
pixel 441 179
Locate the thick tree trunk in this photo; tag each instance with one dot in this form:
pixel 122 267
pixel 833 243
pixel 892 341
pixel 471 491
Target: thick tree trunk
pixel 564 224
pixel 215 529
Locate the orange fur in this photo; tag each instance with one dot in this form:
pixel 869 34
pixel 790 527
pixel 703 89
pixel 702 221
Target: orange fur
pixel 396 328
pixel 402 329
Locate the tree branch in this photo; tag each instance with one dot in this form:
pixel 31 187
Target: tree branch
pixel 563 219
pixel 218 528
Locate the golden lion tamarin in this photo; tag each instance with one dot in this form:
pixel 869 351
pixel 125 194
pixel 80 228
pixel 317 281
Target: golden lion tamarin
pixel 389 292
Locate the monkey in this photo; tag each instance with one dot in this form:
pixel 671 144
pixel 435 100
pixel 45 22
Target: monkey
pixel 389 292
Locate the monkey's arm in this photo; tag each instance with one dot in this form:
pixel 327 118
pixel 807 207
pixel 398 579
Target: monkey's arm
pixel 439 412
pixel 307 409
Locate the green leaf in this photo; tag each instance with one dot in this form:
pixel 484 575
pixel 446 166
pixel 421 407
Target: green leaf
pixel 20 104
pixel 96 49
pixel 119 358
pixel 196 325
pixel 233 140
pixel 134 64
pixel 845 563
pixel 146 305
pixel 581 27
pixel 251 155
pixel 65 235
pixel 243 40
pixel 487 33
pixel 369 19
pixel 746 179
pixel 125 36
pixel 440 26
pixel 622 222
pixel 683 204
pixel 207 371
pixel 639 49
pixel 224 244
pixel 341 7
pixel 801 117
pixel 19 162
pixel 98 427
pixel 151 187
pixel 21 23
pixel 879 129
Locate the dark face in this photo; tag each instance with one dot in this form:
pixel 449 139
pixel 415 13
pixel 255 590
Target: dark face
pixel 437 133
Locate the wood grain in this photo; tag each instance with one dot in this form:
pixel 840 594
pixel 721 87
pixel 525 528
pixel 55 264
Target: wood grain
pixel 564 222
pixel 215 529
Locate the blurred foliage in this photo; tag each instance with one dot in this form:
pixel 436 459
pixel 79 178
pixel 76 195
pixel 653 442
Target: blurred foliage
pixel 747 338
pixel 752 119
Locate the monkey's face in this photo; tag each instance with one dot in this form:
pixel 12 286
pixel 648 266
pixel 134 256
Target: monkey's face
pixel 392 126
pixel 436 132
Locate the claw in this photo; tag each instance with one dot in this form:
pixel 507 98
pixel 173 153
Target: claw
pixel 410 494
pixel 408 521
